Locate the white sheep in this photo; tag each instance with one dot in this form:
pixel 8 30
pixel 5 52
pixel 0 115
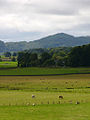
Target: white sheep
pixel 33 96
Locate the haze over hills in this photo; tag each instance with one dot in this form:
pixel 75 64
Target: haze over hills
pixel 52 41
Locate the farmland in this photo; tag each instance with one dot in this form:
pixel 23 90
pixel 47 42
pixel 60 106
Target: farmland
pixel 46 112
pixel 8 64
pixel 17 85
pixel 45 83
pixel 16 97
pixel 10 68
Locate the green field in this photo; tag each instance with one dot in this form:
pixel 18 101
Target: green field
pixel 46 83
pixel 16 102
pixel 40 71
pixel 10 68
pixel 7 64
pixel 46 112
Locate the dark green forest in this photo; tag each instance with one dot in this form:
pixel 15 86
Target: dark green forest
pixel 55 57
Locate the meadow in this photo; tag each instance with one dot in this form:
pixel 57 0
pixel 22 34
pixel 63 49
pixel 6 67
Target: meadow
pixel 16 102
pixel 46 112
pixel 8 64
pixel 10 68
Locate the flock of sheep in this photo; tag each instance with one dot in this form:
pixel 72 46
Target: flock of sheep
pixel 60 97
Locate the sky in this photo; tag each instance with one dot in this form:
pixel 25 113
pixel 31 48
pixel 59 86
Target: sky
pixel 27 20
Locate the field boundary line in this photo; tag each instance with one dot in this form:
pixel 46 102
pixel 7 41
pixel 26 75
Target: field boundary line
pixel 49 74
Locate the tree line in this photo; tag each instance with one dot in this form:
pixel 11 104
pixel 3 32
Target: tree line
pixel 78 56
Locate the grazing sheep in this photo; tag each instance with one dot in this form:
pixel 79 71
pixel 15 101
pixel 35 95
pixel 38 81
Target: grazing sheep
pixel 77 103
pixel 33 104
pixel 33 96
pixel 60 97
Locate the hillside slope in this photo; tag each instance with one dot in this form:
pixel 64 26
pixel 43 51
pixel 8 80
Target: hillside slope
pixel 57 40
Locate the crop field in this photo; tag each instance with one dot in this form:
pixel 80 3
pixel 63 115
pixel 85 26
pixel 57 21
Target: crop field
pixel 16 102
pixel 38 71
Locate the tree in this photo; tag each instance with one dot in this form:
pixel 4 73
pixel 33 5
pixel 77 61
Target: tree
pixel 0 59
pixel 14 54
pixel 45 56
pixel 80 56
pixel 49 63
pixel 26 59
pixel 13 59
pixel 20 58
pixel 33 57
pixel 7 54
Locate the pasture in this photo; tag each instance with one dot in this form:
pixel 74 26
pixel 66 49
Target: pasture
pixel 10 70
pixel 46 83
pixel 8 64
pixel 16 102
pixel 46 112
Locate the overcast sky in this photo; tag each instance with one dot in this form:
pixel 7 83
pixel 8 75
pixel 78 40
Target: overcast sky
pixel 33 19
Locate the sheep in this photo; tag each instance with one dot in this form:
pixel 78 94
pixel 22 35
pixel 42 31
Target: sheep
pixel 33 104
pixel 33 96
pixel 60 97
pixel 77 103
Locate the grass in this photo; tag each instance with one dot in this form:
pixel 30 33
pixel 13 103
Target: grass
pixel 40 71
pixel 46 83
pixel 22 98
pixel 46 112
pixel 18 89
pixel 8 64
pixel 16 102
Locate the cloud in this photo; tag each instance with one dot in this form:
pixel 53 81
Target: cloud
pixel 31 19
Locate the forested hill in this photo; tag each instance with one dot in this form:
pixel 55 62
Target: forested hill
pixel 57 40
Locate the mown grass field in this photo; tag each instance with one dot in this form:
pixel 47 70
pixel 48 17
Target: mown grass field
pixel 7 64
pixel 10 70
pixel 16 102
pixel 46 112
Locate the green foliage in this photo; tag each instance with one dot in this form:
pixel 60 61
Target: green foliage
pixel 45 56
pixel 80 56
pixel 54 57
pixel 14 54
pixel 14 59
pixel 7 54
pixel 0 59
pixel 49 63
pixel 34 57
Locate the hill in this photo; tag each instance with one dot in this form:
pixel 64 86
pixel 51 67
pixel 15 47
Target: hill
pixel 59 40
pixel 56 40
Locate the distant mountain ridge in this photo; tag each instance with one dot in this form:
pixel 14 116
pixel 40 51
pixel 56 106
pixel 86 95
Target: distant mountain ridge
pixel 52 41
